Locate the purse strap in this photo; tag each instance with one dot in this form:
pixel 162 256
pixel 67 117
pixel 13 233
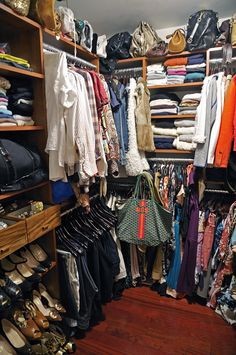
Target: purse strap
pixel 138 188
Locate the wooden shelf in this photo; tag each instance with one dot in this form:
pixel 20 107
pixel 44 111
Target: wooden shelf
pixel 176 86
pixel 174 151
pixel 8 70
pixel 17 20
pixel 67 45
pixel 15 193
pixel 172 116
pixel 21 129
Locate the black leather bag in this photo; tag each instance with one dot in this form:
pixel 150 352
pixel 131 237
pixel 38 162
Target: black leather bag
pixel 20 167
pixel 118 46
pixel 202 30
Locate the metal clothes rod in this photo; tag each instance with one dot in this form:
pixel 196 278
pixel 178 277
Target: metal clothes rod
pixel 170 160
pixel 79 61
pixel 68 211
pixel 129 70
pixel 218 191
pixel 220 60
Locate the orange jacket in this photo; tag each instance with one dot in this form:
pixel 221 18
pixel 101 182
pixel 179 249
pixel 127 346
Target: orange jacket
pixel 227 127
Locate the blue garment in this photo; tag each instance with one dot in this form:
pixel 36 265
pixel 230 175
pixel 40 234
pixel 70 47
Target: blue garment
pixel 195 76
pixel 196 59
pixel 14 64
pixel 5 112
pixel 217 237
pixel 233 237
pixel 3 115
pixel 173 274
pixel 118 95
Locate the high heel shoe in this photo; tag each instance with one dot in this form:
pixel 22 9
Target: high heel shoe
pixel 19 280
pixel 28 273
pixel 50 313
pixel 26 324
pixel 5 347
pixel 5 301
pixel 9 287
pixel 15 259
pixel 36 315
pixel 58 334
pixel 31 261
pixel 40 255
pixel 16 338
pixel 51 301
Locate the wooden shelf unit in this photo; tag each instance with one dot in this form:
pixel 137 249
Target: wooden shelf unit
pixel 10 195
pixel 176 86
pixel 174 151
pixel 21 129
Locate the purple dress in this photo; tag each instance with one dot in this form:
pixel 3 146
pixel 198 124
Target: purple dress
pixel 186 281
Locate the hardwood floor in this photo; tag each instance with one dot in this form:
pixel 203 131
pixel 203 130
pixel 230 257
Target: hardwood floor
pixel 143 323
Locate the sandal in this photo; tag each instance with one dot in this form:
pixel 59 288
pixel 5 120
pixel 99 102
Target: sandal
pixel 51 301
pixel 58 334
pixel 26 324
pixel 36 315
pixel 50 313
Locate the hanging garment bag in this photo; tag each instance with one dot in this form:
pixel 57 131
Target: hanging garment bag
pixel 143 220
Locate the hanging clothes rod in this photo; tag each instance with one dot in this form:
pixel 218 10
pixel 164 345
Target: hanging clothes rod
pixel 218 191
pixel 128 70
pixel 216 60
pixel 68 211
pixel 170 160
pixel 79 61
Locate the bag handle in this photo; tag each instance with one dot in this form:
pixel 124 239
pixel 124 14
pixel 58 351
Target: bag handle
pixel 138 187
pixel 179 30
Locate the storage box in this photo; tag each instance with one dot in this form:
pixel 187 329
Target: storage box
pixel 40 223
pixel 13 237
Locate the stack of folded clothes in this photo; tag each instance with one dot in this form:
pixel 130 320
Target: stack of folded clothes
pixel 196 68
pixel 185 130
pixel 164 136
pixel 189 104
pixel 176 70
pixel 156 75
pixel 6 118
pixel 21 102
pixel 164 104
pixel 14 61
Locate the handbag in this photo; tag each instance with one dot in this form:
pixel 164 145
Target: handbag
pixel 19 6
pixel 177 43
pixel 233 30
pixel 42 11
pixel 202 30
pixel 143 220
pixel 159 50
pixel 21 167
pixel 118 46
pixel 143 39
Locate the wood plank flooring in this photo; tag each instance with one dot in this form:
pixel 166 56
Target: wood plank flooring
pixel 143 323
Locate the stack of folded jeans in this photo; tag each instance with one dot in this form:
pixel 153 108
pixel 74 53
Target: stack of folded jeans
pixel 189 104
pixel 164 104
pixel 21 102
pixel 14 61
pixel 156 75
pixel 185 130
pixel 196 68
pixel 6 118
pixel 176 70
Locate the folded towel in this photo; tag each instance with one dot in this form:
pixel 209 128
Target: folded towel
pixel 166 123
pixel 188 112
pixel 163 102
pixel 195 76
pixel 195 96
pixel 165 131
pixel 185 130
pixel 164 140
pixel 184 123
pixel 171 111
pixel 163 96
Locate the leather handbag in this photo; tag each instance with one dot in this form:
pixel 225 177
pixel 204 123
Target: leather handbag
pixel 118 46
pixel 143 220
pixel 21 167
pixel 177 42
pixel 19 6
pixel 159 50
pixel 143 39
pixel 202 30
pixel 233 30
pixel 42 11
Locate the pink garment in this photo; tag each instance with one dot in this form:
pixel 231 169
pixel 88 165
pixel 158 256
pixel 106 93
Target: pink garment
pixel 208 239
pixel 176 72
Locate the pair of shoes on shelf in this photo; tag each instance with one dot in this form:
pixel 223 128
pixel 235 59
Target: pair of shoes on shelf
pixel 52 341
pixel 49 312
pixel 36 257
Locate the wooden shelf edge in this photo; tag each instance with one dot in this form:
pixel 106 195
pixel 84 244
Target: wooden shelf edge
pixel 79 48
pixel 198 83
pixel 15 193
pixel 54 264
pixel 8 68
pixel 19 17
pixel 172 116
pixel 173 151
pixel 21 129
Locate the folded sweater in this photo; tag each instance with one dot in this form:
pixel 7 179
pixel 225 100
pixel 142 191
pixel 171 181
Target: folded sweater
pixel 165 131
pixel 184 123
pixel 185 130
